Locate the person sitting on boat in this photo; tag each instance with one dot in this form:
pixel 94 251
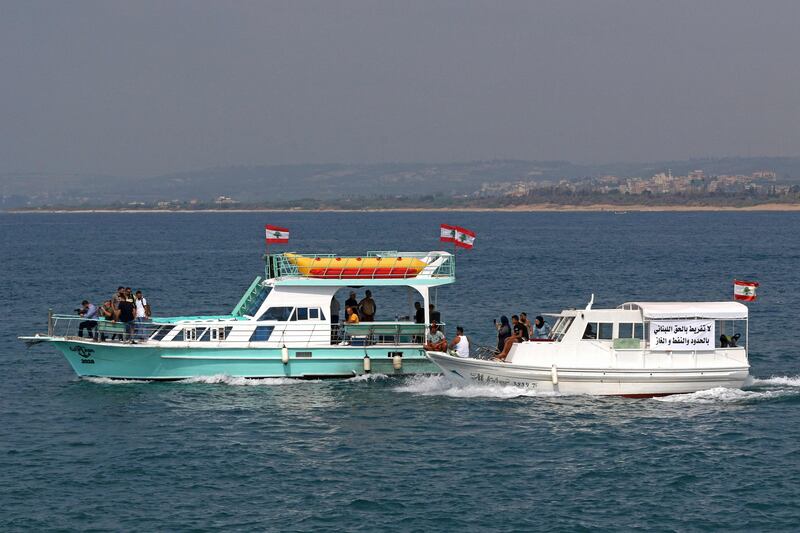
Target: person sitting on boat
pixel 419 313
pixel 435 340
pixel 108 311
pixel 460 343
pixel 515 321
pixel 352 316
pixel 89 313
pixel 589 333
pixel 367 308
pixel 728 342
pixel 516 336
pixel 541 330
pixel 503 332
pixel 523 318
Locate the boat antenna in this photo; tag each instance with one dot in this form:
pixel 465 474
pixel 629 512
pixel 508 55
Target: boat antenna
pixel 591 301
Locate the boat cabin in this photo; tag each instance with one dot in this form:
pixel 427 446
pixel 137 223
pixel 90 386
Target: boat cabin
pixel 656 326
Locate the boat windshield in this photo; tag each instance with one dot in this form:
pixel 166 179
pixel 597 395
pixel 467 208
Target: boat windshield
pixel 560 328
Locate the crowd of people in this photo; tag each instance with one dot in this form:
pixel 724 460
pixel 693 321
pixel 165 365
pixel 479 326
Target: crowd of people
pixel 355 311
pixel 125 307
pixel 520 329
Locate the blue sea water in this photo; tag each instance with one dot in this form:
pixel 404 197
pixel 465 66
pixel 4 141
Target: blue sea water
pixel 389 454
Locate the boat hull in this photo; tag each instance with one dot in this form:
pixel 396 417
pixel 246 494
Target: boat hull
pixel 152 362
pixel 602 382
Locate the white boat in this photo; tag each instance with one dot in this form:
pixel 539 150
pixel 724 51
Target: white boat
pixel 639 349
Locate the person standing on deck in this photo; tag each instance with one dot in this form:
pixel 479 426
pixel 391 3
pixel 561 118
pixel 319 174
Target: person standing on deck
pixel 126 313
pixel 367 308
pixel 460 343
pixel 434 315
pixel 419 313
pixel 334 310
pixel 142 315
pixel 351 301
pixel 119 295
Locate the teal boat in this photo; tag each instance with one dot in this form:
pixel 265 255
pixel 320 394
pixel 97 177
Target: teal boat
pixel 281 327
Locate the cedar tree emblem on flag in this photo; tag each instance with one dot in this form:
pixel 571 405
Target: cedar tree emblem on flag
pixel 276 234
pixel 447 233
pixel 464 238
pixel 744 290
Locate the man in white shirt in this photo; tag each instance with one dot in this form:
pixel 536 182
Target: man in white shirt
pixel 142 315
pixel 460 343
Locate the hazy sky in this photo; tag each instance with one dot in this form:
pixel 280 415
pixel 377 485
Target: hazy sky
pixel 142 87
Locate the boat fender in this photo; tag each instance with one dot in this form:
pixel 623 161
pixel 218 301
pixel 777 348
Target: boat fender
pixel 554 374
pixel 397 362
pixel 367 364
pixel 285 355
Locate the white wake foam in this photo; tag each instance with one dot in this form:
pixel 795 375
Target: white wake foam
pixel 441 386
pixel 723 395
pixel 109 381
pixel 790 381
pixel 224 379
pixel 367 377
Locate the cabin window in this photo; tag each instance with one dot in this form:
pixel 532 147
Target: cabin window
pixel 161 333
pixel 281 314
pixel 313 314
pixel 631 330
pixel 560 327
pixel 302 313
pixel 205 336
pixel 261 333
pixel 605 330
pixel 189 334
pixel 220 333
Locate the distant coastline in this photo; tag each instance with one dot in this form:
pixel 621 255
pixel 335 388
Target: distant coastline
pixel 544 208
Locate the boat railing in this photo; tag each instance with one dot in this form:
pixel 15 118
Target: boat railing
pixel 70 327
pixel 101 330
pixel 372 333
pixel 328 266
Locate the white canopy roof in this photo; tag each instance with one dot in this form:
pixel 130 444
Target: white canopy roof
pixel 719 310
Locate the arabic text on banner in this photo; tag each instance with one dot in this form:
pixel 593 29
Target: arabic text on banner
pixel 682 335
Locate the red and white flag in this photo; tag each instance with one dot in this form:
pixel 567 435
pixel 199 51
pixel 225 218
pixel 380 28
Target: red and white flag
pixel 447 233
pixel 276 234
pixel 464 237
pixel 744 290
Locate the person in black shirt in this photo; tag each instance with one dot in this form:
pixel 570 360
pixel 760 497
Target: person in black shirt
pixel 435 315
pixel 419 313
pixel 127 315
pixel 523 330
pixel 351 302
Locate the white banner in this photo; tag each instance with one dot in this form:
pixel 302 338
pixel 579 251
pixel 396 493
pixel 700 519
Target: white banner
pixel 682 335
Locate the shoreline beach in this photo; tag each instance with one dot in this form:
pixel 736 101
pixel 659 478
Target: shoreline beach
pixel 545 208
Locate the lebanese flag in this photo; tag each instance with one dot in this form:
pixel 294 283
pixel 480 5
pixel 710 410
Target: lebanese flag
pixel 744 290
pixel 464 237
pixel 447 233
pixel 276 234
